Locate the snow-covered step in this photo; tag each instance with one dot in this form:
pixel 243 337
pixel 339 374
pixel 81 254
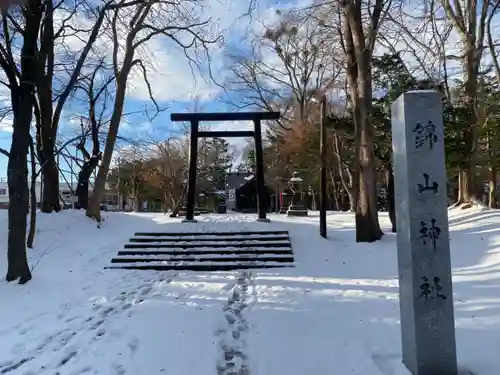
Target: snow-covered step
pixel 199 267
pixel 204 245
pixel 203 257
pixel 206 251
pixel 206 238
pixel 194 234
pixel 213 259
pixel 209 251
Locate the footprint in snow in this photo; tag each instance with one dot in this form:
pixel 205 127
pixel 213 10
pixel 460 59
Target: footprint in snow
pixel 56 341
pixel 133 344
pixel 118 369
pixel 84 370
pixel 68 357
pixel 145 290
pixel 10 366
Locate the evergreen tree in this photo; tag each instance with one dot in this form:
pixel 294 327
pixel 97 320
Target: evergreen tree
pixel 220 162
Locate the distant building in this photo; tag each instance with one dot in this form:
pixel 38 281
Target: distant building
pixel 234 180
pixel 242 192
pixel 4 193
pixel 67 192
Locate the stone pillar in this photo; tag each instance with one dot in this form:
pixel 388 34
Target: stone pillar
pixel 423 247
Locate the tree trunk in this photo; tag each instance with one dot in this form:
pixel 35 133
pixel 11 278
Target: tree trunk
pixel 346 177
pixel 17 168
pixel 31 233
pixel 467 193
pixel 391 204
pixel 137 203
pixel 93 210
pixel 471 65
pixel 350 189
pixel 49 109
pixel 367 224
pixel 166 198
pixel 492 199
pixel 178 206
pixel 46 148
pixel 50 172
pixel 351 195
pixel 82 189
pixel 358 58
pixel 460 183
pixel 18 197
pixel 335 192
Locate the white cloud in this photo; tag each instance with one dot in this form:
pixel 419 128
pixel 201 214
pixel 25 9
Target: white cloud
pixel 6 125
pixel 172 75
pixel 7 121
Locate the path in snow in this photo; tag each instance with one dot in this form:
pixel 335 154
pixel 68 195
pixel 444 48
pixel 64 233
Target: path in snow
pixel 336 312
pixel 232 340
pixel 53 350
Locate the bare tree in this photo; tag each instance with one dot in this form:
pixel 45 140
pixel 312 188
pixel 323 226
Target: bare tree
pixel 173 20
pixel 21 83
pixel 359 24
pixel 470 21
pixel 33 202
pixel 51 70
pixel 23 64
pixel 169 167
pixel 96 89
pixel 291 62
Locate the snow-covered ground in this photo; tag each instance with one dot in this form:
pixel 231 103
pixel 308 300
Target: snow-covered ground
pixel 336 312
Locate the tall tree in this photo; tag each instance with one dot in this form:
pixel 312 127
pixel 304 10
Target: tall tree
pixel 359 30
pixel 53 89
pixel 221 161
pixel 147 20
pixel 470 21
pixel 95 87
pixel 169 163
pixel 292 60
pixel 21 83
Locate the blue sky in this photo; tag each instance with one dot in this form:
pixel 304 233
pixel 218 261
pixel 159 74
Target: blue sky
pixel 174 81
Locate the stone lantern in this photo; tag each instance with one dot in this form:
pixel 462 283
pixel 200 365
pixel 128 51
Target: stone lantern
pixel 297 207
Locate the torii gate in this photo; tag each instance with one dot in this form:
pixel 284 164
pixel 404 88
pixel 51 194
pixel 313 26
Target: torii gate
pixel 194 119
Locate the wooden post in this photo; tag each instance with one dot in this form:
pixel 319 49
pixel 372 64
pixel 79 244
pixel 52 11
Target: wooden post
pixel 259 173
pixel 193 158
pixel 322 151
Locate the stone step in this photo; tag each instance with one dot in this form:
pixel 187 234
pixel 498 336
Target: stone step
pixel 287 251
pixel 213 259
pixel 199 267
pixel 180 234
pixel 207 238
pixel 206 251
pixel 195 245
pixel 209 244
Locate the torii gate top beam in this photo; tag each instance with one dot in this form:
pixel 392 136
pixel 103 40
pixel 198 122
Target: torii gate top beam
pixel 224 116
